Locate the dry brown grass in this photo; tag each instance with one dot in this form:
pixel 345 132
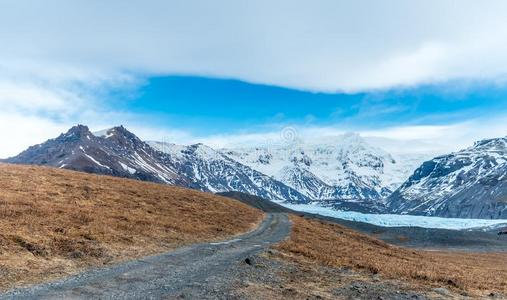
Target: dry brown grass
pixel 56 222
pixel 316 242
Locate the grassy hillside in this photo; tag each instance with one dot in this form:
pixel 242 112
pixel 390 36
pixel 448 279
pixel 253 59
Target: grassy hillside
pixel 316 242
pixel 56 222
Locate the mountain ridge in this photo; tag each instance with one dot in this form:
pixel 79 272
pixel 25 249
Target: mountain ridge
pixel 345 168
pixel 451 185
pixel 118 152
pixel 346 175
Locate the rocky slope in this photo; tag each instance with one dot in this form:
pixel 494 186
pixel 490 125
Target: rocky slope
pixel 215 172
pixel 470 183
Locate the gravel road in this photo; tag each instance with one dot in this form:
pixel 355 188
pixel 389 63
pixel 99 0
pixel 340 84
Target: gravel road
pixel 200 271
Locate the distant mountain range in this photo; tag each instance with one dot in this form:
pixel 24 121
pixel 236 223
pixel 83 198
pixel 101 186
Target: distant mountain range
pixel 345 173
pixel 118 152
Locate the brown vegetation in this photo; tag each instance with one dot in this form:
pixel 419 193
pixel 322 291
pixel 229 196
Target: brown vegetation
pixel 56 222
pixel 315 242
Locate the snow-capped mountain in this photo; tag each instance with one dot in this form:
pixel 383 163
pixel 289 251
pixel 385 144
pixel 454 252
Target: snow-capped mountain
pixel 345 172
pixel 118 152
pixel 216 172
pixel 115 152
pixel 346 168
pixel 470 183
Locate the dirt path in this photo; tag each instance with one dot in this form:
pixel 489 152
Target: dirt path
pixel 199 271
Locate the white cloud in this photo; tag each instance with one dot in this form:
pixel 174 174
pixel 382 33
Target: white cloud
pixel 318 45
pixel 35 108
pixel 19 132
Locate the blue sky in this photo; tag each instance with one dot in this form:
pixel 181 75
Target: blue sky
pixel 431 73
pixel 212 106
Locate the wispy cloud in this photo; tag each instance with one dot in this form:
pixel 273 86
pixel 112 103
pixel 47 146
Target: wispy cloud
pixel 420 139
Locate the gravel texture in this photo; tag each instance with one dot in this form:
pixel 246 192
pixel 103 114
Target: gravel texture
pixel 202 271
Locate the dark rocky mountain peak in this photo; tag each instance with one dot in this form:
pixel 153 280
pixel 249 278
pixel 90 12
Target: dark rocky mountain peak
pixel 76 133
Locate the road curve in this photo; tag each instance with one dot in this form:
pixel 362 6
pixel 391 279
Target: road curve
pixel 196 271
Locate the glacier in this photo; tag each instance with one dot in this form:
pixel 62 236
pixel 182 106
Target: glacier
pixel 392 220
